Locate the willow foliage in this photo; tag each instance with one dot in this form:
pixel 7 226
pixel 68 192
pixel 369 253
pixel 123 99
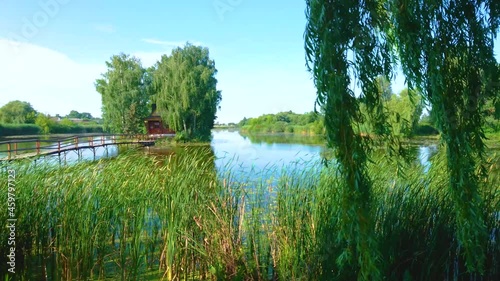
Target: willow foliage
pixel 186 90
pixel 124 89
pixel 446 52
pixel 345 39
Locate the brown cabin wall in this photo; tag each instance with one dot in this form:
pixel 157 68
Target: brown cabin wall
pixel 156 127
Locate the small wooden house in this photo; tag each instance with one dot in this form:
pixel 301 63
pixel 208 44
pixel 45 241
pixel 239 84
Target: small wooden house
pixel 154 124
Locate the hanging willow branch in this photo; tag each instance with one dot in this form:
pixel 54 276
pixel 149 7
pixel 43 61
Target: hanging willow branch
pixel 446 52
pixel 337 30
pixel 446 49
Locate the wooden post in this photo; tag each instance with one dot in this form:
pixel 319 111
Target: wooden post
pixel 15 148
pixel 58 146
pixel 37 147
pixel 102 140
pixel 91 141
pixel 76 142
pixel 8 149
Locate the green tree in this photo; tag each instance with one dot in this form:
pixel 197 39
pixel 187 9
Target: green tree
pixel 86 116
pixel 66 123
pixel 17 112
pixel 186 91
pixel 404 112
pixel 125 95
pixel 73 114
pixel 446 52
pixel 243 122
pixel 384 87
pixel 345 39
pixel 82 115
pixel 44 122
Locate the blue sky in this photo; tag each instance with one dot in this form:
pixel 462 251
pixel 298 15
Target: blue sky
pixel 51 51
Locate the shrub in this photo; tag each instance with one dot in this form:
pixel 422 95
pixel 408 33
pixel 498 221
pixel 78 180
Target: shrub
pixel 19 129
pixel 181 136
pixel 424 129
pixel 59 128
pixel 278 127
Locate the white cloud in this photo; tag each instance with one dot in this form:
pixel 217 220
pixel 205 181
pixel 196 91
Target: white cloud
pixel 105 28
pixel 52 82
pixel 56 84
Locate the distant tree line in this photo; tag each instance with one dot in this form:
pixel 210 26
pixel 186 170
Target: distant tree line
pixel 284 122
pixel 403 112
pixel 20 118
pixel 182 85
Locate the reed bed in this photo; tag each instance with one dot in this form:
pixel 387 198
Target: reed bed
pixel 174 217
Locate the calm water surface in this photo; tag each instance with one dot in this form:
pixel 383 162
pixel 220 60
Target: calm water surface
pixel 253 155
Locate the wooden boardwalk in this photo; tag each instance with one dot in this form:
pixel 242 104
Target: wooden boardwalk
pixel 23 148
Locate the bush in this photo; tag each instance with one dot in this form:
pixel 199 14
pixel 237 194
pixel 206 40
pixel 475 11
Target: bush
pixel 278 127
pixel 59 128
pixel 45 123
pixel 19 129
pixel 53 128
pixel 300 129
pixel 425 130
pixel 181 136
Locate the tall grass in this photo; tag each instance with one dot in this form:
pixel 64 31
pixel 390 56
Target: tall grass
pixel 173 218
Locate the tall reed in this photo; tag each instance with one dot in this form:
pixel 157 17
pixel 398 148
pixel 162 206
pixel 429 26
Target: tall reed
pixel 174 217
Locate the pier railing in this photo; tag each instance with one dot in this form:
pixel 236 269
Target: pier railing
pixel 29 147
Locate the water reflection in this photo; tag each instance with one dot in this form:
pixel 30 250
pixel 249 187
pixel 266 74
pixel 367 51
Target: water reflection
pixel 249 155
pixel 261 156
pixel 424 155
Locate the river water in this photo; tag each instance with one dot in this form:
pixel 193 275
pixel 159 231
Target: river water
pixel 254 154
pixel 259 152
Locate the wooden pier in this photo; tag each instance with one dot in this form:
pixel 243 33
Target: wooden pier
pixel 32 147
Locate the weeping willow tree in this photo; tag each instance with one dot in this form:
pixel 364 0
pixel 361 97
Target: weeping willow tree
pixel 345 40
pixel 186 91
pixel 446 51
pixel 125 94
